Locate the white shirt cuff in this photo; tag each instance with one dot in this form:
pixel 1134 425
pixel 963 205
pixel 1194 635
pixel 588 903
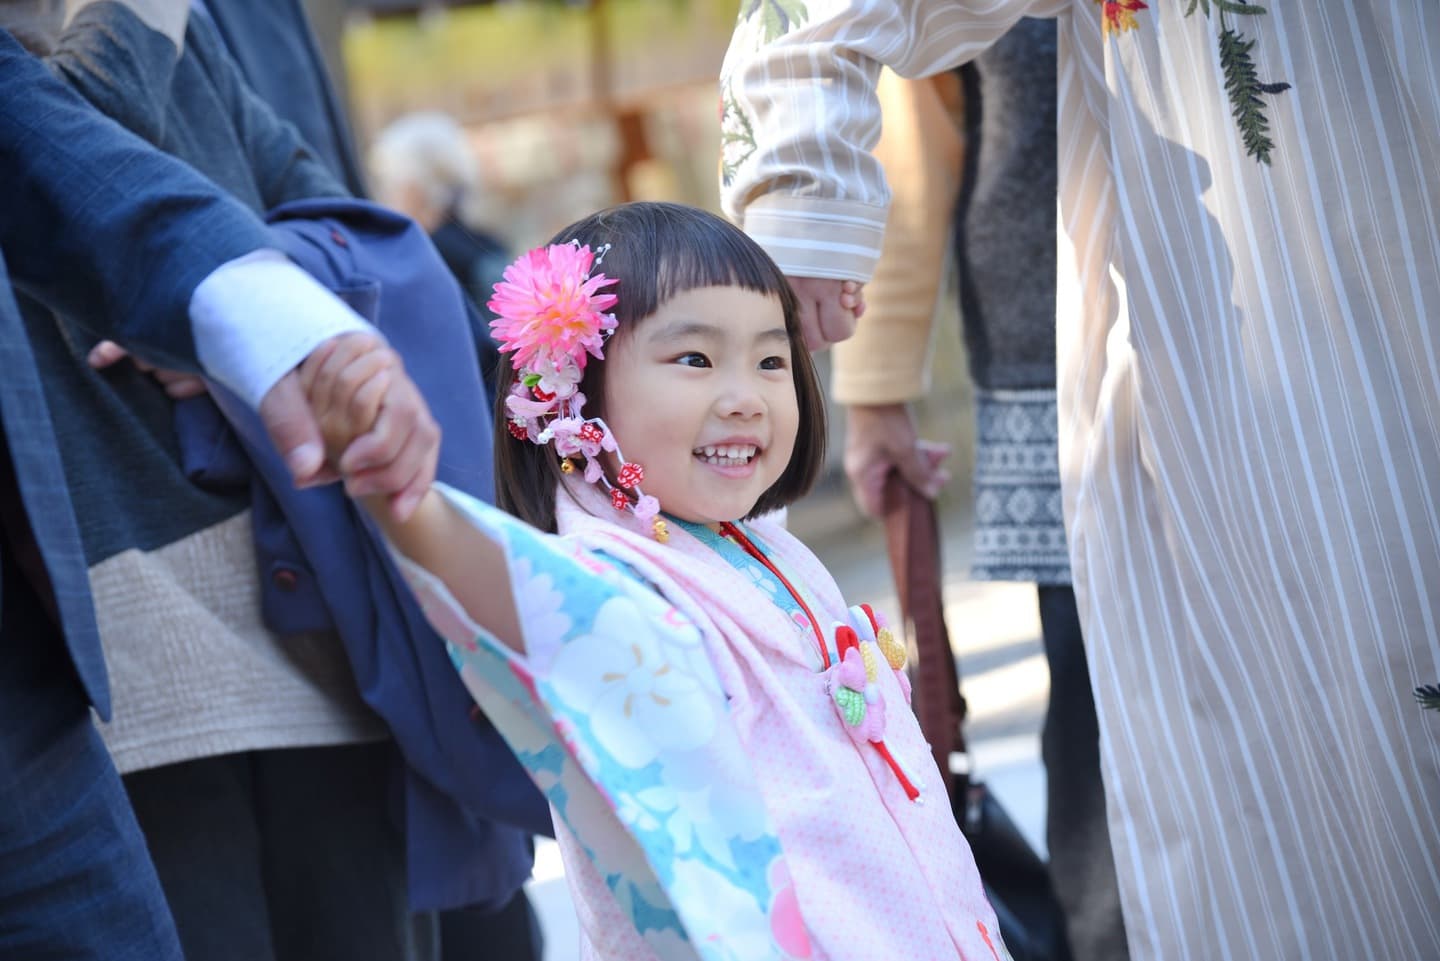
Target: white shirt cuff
pixel 257 317
pixel 818 237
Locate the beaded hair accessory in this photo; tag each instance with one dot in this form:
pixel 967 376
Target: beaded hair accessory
pixel 551 317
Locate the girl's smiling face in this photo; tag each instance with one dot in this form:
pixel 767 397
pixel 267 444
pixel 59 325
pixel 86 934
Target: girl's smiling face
pixel 702 395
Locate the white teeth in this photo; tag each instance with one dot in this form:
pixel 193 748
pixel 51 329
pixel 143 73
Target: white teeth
pixel 728 455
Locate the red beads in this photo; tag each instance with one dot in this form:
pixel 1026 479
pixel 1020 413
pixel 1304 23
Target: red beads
pixel 631 475
pixel 618 500
pixel 591 434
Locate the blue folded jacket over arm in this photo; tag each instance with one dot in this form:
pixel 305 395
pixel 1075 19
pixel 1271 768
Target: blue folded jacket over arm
pixel 470 807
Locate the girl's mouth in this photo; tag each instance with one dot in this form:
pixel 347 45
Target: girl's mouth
pixel 727 455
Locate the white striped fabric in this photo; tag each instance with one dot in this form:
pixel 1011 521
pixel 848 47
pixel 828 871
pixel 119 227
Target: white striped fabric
pixel 1250 428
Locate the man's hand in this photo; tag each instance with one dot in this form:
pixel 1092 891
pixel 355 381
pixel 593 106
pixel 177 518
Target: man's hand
pixel 178 384
pixel 828 309
pixel 368 420
pixel 882 438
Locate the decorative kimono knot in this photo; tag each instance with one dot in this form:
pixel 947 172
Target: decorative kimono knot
pixel 845 638
pixel 851 705
pixel 850 672
pixel 895 653
pixel 860 621
pixel 872 728
pixel 870 654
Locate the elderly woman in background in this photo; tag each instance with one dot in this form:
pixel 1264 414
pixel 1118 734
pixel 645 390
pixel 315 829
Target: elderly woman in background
pixel 423 166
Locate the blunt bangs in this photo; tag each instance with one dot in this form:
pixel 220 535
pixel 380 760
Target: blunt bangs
pixel 658 250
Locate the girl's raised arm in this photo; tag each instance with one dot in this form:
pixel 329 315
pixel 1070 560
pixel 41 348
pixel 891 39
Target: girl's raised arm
pixel 472 566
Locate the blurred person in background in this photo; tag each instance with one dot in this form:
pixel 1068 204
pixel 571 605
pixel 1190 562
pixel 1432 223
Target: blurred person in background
pixel 423 166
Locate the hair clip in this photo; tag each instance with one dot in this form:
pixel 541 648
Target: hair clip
pixel 551 318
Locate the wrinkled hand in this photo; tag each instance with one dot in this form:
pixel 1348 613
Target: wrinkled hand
pixel 882 438
pixel 177 383
pixel 828 309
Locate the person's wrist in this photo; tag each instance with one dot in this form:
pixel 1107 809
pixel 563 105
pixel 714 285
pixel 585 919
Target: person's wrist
pixel 885 407
pixel 871 414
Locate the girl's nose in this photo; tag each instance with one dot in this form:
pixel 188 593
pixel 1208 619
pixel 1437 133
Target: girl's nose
pixel 743 399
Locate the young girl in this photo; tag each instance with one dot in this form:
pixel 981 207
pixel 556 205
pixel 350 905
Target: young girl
pixel 729 749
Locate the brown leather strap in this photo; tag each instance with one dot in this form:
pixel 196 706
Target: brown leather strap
pixel 912 536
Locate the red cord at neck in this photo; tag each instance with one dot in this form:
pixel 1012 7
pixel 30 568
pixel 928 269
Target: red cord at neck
pixel 735 534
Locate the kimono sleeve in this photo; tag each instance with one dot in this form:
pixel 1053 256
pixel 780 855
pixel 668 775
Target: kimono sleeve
pixel 799 115
pixel 617 712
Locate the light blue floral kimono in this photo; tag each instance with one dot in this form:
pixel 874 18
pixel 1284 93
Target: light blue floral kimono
pixel 673 704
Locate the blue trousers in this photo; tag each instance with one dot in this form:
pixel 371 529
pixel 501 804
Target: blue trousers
pixel 75 880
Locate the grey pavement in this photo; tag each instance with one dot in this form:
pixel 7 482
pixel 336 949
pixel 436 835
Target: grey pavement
pixel 995 631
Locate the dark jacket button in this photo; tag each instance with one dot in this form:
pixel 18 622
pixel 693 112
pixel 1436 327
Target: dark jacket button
pixel 285 580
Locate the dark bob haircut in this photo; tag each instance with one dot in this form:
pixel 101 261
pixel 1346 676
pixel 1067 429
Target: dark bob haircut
pixel 658 250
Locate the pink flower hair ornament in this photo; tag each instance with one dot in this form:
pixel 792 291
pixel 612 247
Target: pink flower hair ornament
pixel 551 317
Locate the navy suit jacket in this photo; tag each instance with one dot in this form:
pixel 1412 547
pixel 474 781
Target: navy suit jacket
pixel 97 223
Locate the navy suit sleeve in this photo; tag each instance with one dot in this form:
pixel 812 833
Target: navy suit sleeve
pixel 96 223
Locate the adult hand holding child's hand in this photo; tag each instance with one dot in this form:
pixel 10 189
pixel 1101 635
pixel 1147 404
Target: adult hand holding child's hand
pixel 828 309
pixel 377 429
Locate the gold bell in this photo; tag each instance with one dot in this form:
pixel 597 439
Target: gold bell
pixel 662 532
pixel 566 467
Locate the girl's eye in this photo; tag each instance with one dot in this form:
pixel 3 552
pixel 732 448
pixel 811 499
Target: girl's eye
pixel 693 359
pixel 773 363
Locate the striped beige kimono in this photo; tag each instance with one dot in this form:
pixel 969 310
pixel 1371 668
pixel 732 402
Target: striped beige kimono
pixel 1249 358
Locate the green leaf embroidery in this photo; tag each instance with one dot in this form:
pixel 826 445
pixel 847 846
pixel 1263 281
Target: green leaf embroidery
pixel 852 705
pixel 777 17
pixel 1224 6
pixel 1242 86
pixel 1244 90
pixel 1428 696
pixel 737 136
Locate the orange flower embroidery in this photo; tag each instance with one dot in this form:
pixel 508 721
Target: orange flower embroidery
pixel 1119 15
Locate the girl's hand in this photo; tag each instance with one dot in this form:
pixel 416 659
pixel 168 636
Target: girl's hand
pixel 828 309
pixel 852 297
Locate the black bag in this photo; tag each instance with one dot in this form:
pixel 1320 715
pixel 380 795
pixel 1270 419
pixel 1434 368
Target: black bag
pixel 1015 878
